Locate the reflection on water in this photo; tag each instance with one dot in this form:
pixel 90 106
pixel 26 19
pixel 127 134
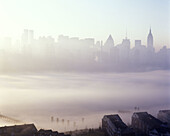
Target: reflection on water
pixel 69 101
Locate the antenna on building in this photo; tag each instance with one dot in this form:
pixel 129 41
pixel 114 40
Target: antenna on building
pixel 150 29
pixel 126 32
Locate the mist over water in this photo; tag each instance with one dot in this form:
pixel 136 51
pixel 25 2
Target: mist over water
pixel 66 64
pixel 37 97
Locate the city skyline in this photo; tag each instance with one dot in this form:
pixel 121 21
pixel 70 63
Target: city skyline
pixel 84 67
pixel 14 42
pixel 28 38
pixel 75 54
pixel 84 19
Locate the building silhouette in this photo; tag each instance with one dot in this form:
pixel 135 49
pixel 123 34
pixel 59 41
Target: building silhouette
pixel 149 125
pixel 150 41
pixel 72 53
pixel 109 44
pixel 114 126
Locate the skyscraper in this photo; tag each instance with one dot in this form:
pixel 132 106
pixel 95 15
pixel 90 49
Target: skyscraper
pixel 109 44
pixel 30 36
pixel 150 49
pixel 25 37
pixel 137 43
pixel 150 40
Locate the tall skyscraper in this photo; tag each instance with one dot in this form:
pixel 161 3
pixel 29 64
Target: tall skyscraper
pixel 137 43
pixel 150 40
pixel 25 37
pixel 109 44
pixel 126 43
pixel 27 40
pixel 30 36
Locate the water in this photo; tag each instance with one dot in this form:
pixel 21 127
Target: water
pixel 79 100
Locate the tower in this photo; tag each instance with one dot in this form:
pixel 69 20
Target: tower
pixel 150 49
pixel 30 36
pixel 109 44
pixel 150 40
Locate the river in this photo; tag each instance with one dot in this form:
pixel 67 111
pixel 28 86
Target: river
pixel 79 100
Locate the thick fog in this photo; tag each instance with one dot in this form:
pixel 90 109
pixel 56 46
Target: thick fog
pixel 73 96
pixel 70 83
pixel 66 64
pixel 74 54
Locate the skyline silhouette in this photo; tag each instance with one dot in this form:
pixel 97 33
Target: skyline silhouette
pixel 87 18
pixel 75 54
pixel 65 64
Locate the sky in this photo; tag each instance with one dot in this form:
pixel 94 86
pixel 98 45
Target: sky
pixel 88 18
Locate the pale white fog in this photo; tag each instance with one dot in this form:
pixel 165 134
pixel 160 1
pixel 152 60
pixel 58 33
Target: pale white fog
pixel 81 99
pixel 30 54
pixel 84 68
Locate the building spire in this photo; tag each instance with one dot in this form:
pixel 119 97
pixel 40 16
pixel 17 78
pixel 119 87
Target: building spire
pixel 150 40
pixel 150 30
pixel 126 32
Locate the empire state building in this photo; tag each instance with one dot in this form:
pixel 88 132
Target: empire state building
pixel 150 41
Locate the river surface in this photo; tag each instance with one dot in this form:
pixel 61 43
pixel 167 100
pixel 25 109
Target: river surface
pixel 70 101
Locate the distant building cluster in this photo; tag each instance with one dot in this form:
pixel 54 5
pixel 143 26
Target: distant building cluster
pixel 143 124
pixel 81 54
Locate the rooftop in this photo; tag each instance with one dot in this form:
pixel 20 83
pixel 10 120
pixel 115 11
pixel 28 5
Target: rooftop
pixel 116 120
pixel 149 119
pixel 165 111
pixel 26 130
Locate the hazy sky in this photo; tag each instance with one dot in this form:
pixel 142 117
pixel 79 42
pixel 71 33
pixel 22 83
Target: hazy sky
pixel 88 18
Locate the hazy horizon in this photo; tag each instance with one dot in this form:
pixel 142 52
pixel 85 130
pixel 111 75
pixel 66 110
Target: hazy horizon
pixel 65 64
pixel 87 19
pixel 35 97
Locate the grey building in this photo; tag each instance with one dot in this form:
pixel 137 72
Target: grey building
pixel 43 132
pixel 150 41
pixel 114 126
pixel 149 125
pixel 18 130
pixel 164 116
